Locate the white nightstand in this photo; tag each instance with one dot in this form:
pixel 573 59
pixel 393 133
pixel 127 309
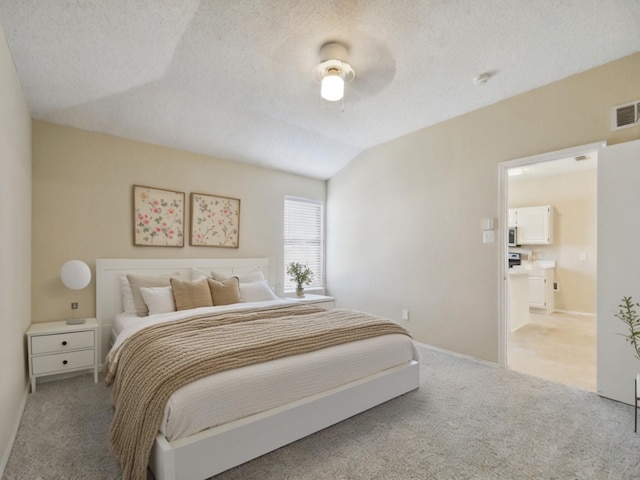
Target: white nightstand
pixel 55 347
pixel 318 300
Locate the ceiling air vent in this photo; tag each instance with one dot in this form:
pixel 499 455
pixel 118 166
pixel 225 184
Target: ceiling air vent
pixel 625 116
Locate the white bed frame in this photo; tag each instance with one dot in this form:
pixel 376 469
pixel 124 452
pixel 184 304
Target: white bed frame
pixel 218 449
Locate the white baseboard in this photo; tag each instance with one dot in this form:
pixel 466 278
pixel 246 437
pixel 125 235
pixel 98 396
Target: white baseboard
pixel 571 312
pixel 7 452
pixel 456 354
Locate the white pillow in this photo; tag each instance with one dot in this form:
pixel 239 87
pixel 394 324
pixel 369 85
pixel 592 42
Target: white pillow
pixel 256 292
pixel 158 299
pixel 253 275
pixel 127 295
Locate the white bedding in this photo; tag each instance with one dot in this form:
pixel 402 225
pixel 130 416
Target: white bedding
pixel 126 325
pixel 237 393
pixel 122 321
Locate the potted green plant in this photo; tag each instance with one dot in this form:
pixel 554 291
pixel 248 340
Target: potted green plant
pixel 301 275
pixel 630 317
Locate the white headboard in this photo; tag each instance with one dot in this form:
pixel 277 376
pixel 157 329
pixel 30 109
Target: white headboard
pixel 109 296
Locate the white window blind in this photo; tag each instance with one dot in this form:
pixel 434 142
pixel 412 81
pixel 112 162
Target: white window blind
pixel 304 238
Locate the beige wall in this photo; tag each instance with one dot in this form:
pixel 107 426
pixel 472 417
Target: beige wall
pixel 15 251
pixel 404 217
pixel 574 198
pixel 82 206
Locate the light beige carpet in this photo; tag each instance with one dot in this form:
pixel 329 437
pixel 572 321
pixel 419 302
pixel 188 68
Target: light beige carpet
pixel 467 421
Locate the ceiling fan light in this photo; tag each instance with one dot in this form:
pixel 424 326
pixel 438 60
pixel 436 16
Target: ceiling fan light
pixel 332 87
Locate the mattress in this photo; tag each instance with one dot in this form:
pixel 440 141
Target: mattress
pixel 238 393
pixel 241 392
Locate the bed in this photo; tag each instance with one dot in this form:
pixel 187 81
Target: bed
pixel 232 430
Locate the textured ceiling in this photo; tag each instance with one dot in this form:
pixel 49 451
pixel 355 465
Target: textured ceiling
pixel 233 79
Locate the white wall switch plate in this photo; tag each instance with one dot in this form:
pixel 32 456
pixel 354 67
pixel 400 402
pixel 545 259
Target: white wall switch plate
pixel 487 223
pixel 488 236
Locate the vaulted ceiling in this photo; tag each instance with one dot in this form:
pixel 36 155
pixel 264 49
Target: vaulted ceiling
pixel 233 79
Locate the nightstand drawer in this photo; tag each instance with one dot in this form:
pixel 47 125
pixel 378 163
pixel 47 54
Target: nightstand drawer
pixel 62 361
pixel 61 342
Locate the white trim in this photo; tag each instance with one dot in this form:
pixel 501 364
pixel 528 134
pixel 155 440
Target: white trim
pixel 502 223
pixel 555 155
pixel 571 312
pixel 299 212
pixel 456 354
pixel 503 248
pixel 14 433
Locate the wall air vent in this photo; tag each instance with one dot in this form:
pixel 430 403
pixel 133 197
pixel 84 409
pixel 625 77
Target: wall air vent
pixel 625 116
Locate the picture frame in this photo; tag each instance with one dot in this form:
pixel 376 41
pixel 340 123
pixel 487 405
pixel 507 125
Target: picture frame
pixel 215 221
pixel 158 217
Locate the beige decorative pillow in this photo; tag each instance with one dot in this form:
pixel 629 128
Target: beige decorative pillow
pixel 188 295
pixel 137 281
pixel 225 292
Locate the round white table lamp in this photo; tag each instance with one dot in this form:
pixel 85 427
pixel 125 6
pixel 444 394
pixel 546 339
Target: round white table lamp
pixel 76 275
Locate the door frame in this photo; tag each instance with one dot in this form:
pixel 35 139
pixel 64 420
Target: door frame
pixel 503 187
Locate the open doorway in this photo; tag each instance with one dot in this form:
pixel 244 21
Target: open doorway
pixel 549 211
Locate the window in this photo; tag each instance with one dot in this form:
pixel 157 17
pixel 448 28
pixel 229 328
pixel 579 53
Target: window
pixel 303 238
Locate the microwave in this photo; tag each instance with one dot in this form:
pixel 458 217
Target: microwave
pixel 512 236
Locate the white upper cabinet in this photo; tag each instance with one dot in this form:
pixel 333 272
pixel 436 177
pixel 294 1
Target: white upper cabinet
pixel 535 224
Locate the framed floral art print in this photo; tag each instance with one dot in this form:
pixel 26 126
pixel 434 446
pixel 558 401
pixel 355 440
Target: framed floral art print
pixel 215 221
pixel 158 217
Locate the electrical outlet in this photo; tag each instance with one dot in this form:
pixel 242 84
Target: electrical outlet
pixel 405 314
pixel 74 306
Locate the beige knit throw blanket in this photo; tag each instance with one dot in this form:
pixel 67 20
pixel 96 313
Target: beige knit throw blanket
pixel 153 363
